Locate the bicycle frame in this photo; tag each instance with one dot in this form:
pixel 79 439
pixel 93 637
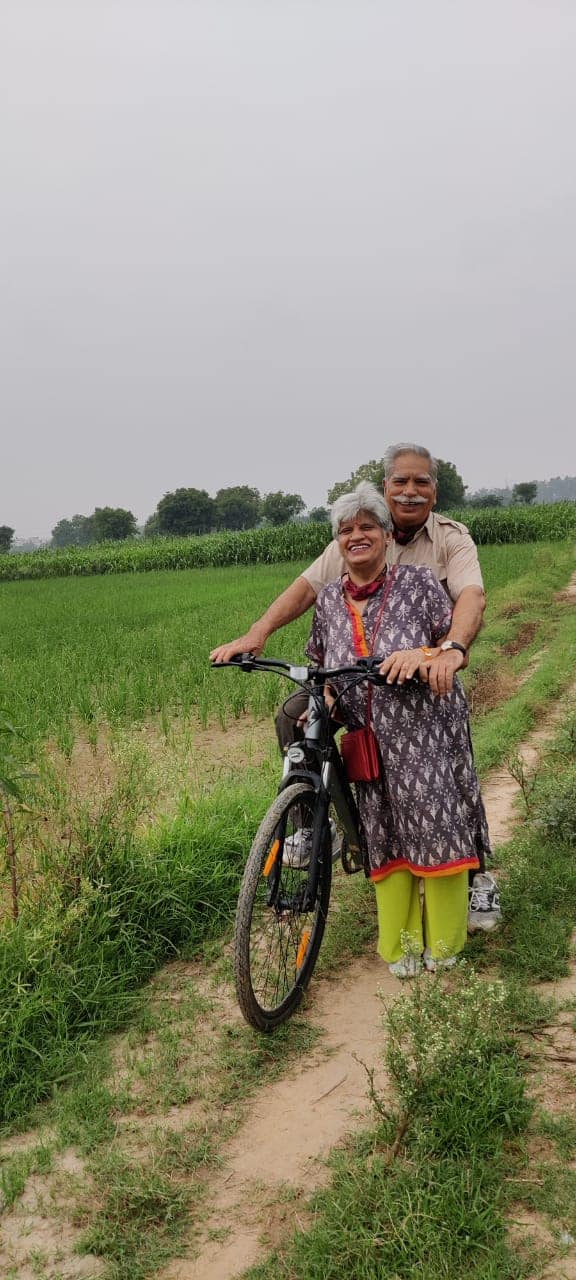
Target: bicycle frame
pixel 317 761
pixel 285 891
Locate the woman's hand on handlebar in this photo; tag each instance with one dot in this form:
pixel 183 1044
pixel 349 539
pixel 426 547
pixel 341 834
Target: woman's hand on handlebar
pixel 252 642
pixel 404 664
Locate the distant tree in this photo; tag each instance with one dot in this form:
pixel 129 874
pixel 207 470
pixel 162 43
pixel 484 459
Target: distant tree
pixel 186 511
pixel 151 528
pixel 525 493
pixel 6 536
pixel 451 490
pixel 373 471
pixel 280 508
pixel 319 515
pixel 237 508
pixel 76 532
pixel 484 500
pixel 113 524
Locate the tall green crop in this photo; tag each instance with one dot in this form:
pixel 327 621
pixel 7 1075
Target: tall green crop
pixel 301 541
pixel 256 546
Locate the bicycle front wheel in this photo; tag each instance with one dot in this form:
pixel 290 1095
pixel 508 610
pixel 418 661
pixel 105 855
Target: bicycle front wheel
pixel 278 934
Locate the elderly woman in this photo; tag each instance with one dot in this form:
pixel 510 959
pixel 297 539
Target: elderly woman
pixel 423 818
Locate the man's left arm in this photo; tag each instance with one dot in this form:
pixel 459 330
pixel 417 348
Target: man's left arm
pixel 466 590
pixel 467 616
pixel 466 622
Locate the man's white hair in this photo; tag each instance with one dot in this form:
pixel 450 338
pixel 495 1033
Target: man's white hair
pixel 396 450
pixel 365 497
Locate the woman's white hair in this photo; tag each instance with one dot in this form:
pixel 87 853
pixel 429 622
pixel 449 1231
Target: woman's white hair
pixel 365 497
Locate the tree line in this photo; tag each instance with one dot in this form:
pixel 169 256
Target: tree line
pixel 185 512
pixel 188 511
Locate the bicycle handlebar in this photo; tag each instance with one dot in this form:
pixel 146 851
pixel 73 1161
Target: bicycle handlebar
pixel 300 673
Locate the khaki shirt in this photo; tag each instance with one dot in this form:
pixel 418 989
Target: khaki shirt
pixel 443 545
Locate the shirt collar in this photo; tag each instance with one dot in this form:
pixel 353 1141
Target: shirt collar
pixel 427 527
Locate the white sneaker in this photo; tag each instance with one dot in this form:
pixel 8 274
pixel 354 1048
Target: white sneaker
pixel 298 847
pixel 407 967
pixel 483 903
pixel 432 964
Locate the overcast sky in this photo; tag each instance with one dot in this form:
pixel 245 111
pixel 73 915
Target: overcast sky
pixel 256 241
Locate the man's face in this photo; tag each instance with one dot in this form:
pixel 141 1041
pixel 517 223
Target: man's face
pixel 410 491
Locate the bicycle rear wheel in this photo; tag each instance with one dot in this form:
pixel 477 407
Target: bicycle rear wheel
pixel 276 941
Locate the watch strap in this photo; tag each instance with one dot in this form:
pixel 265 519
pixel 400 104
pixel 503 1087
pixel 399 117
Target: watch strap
pixel 454 644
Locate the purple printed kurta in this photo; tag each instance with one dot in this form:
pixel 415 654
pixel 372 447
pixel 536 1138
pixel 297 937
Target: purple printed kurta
pixel 425 812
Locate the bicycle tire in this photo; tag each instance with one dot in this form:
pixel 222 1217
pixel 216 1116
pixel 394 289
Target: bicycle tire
pixel 276 945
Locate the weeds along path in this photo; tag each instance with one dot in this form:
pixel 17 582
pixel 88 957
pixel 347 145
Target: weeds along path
pixel 277 1158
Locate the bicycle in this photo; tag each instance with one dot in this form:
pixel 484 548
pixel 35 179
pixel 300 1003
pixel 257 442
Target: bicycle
pixel 283 900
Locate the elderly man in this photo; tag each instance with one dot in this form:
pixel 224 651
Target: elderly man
pixel 422 537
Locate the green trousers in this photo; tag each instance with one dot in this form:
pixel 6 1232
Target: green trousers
pixel 404 927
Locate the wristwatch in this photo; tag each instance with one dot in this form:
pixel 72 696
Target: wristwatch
pixel 453 644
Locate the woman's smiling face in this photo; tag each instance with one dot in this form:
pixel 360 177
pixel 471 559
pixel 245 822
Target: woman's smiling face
pixel 362 543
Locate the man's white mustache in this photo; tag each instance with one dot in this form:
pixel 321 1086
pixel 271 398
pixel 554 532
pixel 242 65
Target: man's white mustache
pixel 411 502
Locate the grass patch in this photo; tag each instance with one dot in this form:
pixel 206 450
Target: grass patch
pixel 73 968
pixel 497 733
pixel 140 1220
pixel 16 1169
pixel 538 887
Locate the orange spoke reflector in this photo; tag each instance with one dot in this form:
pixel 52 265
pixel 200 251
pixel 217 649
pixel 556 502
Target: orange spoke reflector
pixel 302 949
pixel 272 856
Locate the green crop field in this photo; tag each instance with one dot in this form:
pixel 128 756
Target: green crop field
pixel 119 649
pixel 547 522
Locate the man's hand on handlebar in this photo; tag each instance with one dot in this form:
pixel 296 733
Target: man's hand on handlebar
pixel 442 668
pixel 252 642
pixel 433 666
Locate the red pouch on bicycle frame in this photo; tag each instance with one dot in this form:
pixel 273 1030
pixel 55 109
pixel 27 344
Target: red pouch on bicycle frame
pixel 361 756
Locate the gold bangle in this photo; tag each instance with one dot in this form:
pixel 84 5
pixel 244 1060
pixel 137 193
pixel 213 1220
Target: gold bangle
pixel 428 653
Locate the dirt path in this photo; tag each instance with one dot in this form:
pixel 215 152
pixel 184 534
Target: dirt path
pixel 277 1158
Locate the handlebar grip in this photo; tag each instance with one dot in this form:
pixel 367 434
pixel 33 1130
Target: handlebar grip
pixel 371 666
pixel 243 660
